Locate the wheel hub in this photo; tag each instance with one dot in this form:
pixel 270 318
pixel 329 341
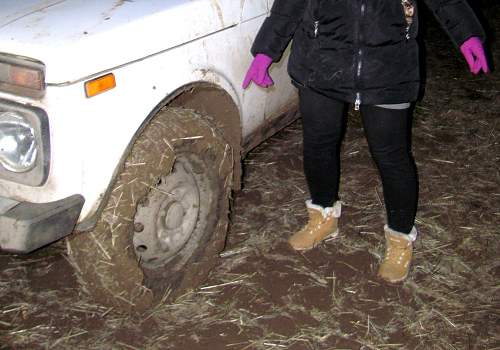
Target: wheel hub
pixel 166 219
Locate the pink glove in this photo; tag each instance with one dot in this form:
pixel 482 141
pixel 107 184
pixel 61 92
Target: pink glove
pixel 473 51
pixel 258 71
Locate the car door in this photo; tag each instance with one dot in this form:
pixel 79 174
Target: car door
pixel 262 104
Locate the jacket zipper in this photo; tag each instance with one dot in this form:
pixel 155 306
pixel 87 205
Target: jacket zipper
pixel 359 65
pixel 315 36
pixel 315 22
pixel 315 32
pixel 358 75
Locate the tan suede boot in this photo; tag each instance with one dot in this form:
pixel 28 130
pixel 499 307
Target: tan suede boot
pixel 323 223
pixel 398 254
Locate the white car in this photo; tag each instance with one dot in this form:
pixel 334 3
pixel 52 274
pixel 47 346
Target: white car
pixel 124 122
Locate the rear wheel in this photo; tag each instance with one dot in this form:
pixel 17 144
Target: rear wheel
pixel 165 220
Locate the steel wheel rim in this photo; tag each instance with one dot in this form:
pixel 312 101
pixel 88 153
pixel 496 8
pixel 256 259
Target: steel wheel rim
pixel 166 220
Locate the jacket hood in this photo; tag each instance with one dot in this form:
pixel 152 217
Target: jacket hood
pixel 77 38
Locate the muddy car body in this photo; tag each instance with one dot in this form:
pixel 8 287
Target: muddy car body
pixel 87 89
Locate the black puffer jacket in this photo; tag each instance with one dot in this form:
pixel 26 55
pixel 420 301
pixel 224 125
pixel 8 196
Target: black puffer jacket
pixel 358 50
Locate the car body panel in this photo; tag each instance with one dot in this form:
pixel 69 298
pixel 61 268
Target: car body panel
pixel 154 52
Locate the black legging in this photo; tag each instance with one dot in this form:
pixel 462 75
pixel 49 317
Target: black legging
pixel 388 132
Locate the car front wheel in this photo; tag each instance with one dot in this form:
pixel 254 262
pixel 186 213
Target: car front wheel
pixel 165 218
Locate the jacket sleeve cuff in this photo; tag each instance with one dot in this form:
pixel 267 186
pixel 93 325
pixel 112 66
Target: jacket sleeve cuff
pixel 273 37
pixel 458 20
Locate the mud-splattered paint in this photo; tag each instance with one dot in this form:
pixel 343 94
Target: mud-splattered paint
pixel 215 4
pixel 116 5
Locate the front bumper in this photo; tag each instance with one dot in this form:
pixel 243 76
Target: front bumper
pixel 26 226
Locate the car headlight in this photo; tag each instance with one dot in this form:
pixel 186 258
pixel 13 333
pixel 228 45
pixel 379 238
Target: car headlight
pixel 24 143
pixel 18 145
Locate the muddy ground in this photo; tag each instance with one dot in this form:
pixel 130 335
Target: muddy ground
pixel 262 295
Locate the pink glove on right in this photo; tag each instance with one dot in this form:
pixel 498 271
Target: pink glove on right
pixel 473 51
pixel 259 71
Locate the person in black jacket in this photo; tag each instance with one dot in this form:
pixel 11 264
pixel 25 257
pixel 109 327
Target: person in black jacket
pixel 362 52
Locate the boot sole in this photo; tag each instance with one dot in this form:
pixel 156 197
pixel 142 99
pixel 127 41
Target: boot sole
pixel 393 280
pixel 331 235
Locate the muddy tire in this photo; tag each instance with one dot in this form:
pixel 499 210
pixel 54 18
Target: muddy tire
pixel 165 219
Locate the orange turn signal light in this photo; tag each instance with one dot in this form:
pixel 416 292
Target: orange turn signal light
pixel 99 85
